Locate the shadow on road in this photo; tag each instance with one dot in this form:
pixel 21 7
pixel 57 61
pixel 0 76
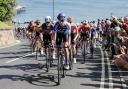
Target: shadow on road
pixel 46 81
pixel 25 67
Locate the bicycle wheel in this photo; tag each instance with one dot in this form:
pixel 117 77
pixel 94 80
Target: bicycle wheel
pixel 50 56
pixel 32 45
pixel 60 68
pixel 84 52
pixel 71 59
pixel 36 53
pixel 92 51
pixel 62 65
pixel 47 62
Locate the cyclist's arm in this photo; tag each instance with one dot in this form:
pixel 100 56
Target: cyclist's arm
pixel 77 33
pixel 41 35
pixel 54 33
pixel 69 33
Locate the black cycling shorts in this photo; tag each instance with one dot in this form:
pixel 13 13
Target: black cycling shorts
pixel 73 35
pixel 84 36
pixel 46 39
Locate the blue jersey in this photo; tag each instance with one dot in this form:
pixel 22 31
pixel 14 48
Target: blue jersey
pixel 59 28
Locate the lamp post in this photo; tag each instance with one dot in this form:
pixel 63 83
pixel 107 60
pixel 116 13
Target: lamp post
pixel 53 9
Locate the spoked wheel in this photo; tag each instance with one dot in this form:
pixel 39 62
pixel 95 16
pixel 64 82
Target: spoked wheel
pixel 71 59
pixel 84 53
pixel 92 51
pixel 36 53
pixel 47 62
pixel 62 64
pixel 60 69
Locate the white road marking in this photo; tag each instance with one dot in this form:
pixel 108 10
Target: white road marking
pixel 109 72
pixel 17 42
pixel 122 80
pixel 103 71
pixel 110 76
pixel 19 58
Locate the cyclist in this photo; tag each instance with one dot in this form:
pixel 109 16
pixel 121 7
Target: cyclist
pixel 30 29
pixel 47 29
pixel 63 34
pixel 74 36
pixel 93 33
pixel 85 32
pixel 99 30
pixel 37 34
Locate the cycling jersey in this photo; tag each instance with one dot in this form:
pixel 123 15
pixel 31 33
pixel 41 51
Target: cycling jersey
pixel 73 32
pixel 37 30
pixel 85 31
pixel 46 30
pixel 30 28
pixel 62 32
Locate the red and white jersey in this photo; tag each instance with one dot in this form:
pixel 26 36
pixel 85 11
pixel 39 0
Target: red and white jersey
pixel 85 29
pixel 74 28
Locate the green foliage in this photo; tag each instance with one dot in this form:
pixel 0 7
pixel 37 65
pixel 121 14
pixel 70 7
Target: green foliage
pixel 4 26
pixel 6 9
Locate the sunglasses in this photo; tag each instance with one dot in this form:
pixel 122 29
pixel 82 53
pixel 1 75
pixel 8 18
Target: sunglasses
pixel 84 23
pixel 61 20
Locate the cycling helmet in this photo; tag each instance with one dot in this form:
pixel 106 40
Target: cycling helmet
pixel 61 16
pixel 37 22
pixel 48 19
pixel 85 22
pixel 108 22
pixel 117 29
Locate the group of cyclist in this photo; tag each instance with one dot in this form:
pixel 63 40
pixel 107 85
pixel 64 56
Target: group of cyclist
pixel 67 34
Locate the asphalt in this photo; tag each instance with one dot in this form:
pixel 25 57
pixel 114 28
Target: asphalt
pixel 20 70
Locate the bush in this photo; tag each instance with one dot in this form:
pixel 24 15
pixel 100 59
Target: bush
pixel 7 10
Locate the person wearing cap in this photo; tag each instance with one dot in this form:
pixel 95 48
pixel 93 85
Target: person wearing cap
pixel 84 32
pixel 46 29
pixel 37 33
pixel 74 36
pixel 62 31
pixel 30 29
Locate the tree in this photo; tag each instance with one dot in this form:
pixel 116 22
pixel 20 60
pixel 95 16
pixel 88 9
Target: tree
pixel 7 9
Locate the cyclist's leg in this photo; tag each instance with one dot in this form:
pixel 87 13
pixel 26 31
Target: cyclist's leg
pixel 34 43
pixel 73 44
pixel 30 35
pixel 45 41
pixel 88 45
pixel 82 42
pixel 66 49
pixel 58 40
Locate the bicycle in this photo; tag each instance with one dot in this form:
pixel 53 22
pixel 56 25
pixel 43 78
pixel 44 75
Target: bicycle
pixel 71 59
pixel 91 48
pixel 84 44
pixel 61 60
pixel 49 54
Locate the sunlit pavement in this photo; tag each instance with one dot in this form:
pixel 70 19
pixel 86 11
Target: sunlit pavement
pixel 20 70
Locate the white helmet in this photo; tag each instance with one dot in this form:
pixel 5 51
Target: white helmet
pixel 108 22
pixel 85 22
pixel 48 19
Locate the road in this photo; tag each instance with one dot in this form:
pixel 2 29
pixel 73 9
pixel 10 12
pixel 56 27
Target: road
pixel 20 70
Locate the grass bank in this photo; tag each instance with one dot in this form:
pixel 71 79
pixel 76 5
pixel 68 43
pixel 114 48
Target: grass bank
pixel 4 26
